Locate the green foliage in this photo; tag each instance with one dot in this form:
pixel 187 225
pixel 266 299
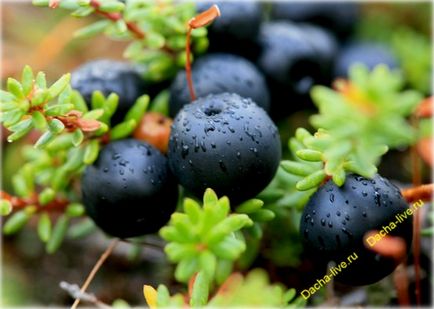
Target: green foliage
pixel 156 29
pixel 205 239
pixel 59 156
pixel 253 290
pixel 357 123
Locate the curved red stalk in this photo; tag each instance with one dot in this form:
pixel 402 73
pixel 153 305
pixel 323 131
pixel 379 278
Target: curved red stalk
pixel 201 20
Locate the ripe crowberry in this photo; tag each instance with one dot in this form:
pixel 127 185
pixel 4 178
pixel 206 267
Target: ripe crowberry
pixel 336 219
pixel 235 31
pixel 224 142
pixel 338 17
pixel 294 58
pixel 109 76
pixel 217 73
pixel 369 54
pixel 129 191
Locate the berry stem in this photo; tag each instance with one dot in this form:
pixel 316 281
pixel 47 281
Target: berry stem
pixel 95 269
pixel 416 174
pixel 201 20
pixel 423 192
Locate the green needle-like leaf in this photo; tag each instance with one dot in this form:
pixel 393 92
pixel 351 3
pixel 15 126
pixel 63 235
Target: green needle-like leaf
pixel 44 227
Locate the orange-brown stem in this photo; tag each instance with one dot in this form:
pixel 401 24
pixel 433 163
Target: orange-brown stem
pixel 423 192
pixel 18 203
pixel 188 66
pixel 417 180
pixel 132 27
pixel 201 20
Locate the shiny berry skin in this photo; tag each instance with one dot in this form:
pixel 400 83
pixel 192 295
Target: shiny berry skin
pixel 367 53
pixel 224 142
pixel 235 31
pixel 294 57
pixel 217 73
pixel 129 191
pixel 338 17
pixel 335 220
pixel 109 76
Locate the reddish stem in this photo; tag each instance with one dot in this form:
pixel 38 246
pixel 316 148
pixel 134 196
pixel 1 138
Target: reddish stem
pixel 416 175
pixel 201 20
pixel 188 65
pixel 132 27
pixel 56 205
pixel 423 192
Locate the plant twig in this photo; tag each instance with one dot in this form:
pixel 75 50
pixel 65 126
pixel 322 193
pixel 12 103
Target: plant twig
pixel 132 27
pixel 95 269
pixel 423 192
pixel 416 175
pixel 56 205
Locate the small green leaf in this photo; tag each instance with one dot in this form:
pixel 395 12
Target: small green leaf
pixel 75 210
pixel 40 2
pixel 78 101
pixel 309 155
pixel 210 197
pixel 27 80
pixel 44 139
pixel 82 229
pixel 160 103
pixel 163 296
pixel 185 269
pixel 58 109
pixel 39 97
pixel 41 82
pixel 138 109
pixel 20 129
pixel 123 129
pixel 91 152
pixel 301 134
pixel 111 6
pixel 223 271
pixel 200 293
pixel 58 234
pixel 16 222
pixel 39 120
pixel 5 207
pixel 46 196
pixel 311 181
pixel 297 168
pixel 56 126
pixel 250 206
pixel 83 11
pixel 192 209
pixel 94 114
pixel 98 100
pixel 77 137
pixel 262 215
pixel 15 88
pixel 44 227
pixel 59 86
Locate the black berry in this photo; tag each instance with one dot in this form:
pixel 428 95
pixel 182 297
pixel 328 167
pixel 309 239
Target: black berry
pixel 224 142
pixel 235 31
pixel 367 53
pixel 294 57
pixel 109 76
pixel 336 220
pixel 217 73
pixel 338 17
pixel 129 191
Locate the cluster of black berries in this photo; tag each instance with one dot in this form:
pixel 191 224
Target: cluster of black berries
pixel 226 140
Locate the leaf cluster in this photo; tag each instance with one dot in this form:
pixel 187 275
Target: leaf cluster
pixel 205 238
pixel 254 289
pixel 356 124
pixel 46 180
pixel 156 29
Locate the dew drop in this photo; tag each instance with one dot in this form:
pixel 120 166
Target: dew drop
pixel 332 197
pixel 323 222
